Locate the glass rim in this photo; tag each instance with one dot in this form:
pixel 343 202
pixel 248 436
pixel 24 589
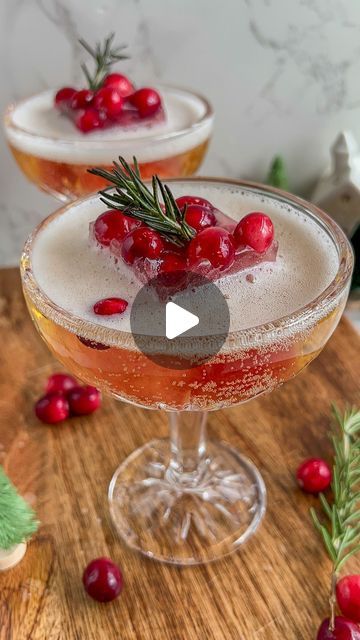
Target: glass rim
pixel 280 327
pixel 206 118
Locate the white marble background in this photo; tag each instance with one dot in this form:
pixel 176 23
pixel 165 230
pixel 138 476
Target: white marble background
pixel 283 75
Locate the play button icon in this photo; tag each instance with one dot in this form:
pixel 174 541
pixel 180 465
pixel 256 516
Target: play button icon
pixel 178 320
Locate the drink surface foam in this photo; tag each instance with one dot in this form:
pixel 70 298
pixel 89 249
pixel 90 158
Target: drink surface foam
pixel 75 275
pixel 41 130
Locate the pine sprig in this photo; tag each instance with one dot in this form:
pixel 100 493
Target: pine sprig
pixel 136 200
pixel 341 529
pixel 104 55
pixel 17 519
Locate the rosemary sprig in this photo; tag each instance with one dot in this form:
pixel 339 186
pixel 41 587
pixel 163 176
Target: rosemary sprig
pixel 341 532
pixel 135 199
pixel 105 56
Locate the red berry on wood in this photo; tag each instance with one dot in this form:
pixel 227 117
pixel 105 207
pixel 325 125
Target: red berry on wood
pixel 52 408
pixel 348 596
pixel 256 231
pixel 103 580
pixel 314 475
pixel 60 382
pixel 344 630
pixel 84 400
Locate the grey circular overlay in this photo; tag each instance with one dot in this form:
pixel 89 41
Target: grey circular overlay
pixel 163 310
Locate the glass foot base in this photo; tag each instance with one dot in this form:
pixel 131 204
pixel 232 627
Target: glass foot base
pixel 182 519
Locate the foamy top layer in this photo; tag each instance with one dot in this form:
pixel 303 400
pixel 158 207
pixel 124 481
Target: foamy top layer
pixel 36 127
pixel 75 276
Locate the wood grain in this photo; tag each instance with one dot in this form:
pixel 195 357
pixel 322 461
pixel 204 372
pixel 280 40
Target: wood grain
pixel 275 587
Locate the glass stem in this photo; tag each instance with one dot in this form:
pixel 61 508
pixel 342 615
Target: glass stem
pixel 187 445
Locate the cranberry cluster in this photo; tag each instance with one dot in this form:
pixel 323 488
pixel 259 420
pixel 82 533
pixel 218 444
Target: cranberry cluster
pixel 218 245
pixel 115 102
pixel 64 397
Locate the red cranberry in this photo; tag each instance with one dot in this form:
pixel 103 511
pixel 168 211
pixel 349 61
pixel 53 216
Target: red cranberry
pixel 84 400
pixel 121 83
pixel 109 101
pixel 64 96
pixel 348 596
pixel 113 224
pixel 60 382
pixel 82 99
pixel 172 262
pixel 141 243
pixel 314 475
pixel 88 120
pixel 110 306
pixel 147 102
pixel 52 408
pixel 213 244
pixel 103 580
pixel 256 231
pixel 92 344
pixel 344 630
pixel 199 218
pixel 202 202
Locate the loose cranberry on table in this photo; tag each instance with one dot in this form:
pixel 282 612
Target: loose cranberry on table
pixel 110 306
pixel 199 217
pixel 213 244
pixel 314 475
pixel 348 596
pixel 64 96
pixel 60 382
pixel 84 400
pixel 256 231
pixel 52 408
pixel 142 243
pixel 109 101
pixel 103 580
pixel 82 99
pixel 147 102
pixel 88 120
pixel 119 82
pixel 113 225
pixel 344 630
pixel 189 200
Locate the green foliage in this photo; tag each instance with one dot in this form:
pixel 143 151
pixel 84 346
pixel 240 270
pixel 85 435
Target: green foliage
pixel 17 519
pixel 340 530
pixel 104 56
pixel 277 176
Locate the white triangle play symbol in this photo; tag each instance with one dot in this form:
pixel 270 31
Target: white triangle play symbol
pixel 178 320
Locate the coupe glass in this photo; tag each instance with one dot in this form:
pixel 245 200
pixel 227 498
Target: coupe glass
pixel 187 500
pixel 57 165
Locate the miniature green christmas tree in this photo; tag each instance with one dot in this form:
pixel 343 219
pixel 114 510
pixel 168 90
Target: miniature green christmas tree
pixel 17 519
pixel 277 176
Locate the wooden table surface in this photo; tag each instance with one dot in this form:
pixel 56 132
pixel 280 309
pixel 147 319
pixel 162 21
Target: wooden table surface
pixel 274 587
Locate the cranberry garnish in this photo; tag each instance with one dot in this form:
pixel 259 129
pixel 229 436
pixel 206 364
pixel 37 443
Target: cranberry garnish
pixel 103 580
pixel 141 243
pixel 52 408
pixel 60 382
pixel 213 244
pixel 88 120
pixel 82 99
pixel 64 96
pixel 202 202
pixel 199 217
pixel 147 102
pixel 256 231
pixel 84 400
pixel 172 261
pixel 109 101
pixel 314 475
pixel 92 344
pixel 348 596
pixel 119 82
pixel 110 306
pixel 344 630
pixel 113 224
